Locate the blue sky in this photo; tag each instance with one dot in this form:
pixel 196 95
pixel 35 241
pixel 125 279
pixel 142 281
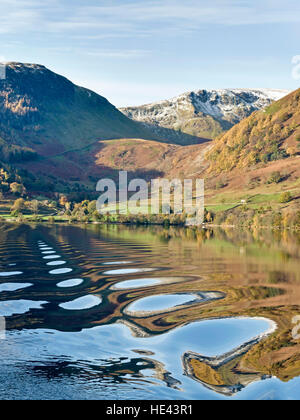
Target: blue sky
pixel 138 51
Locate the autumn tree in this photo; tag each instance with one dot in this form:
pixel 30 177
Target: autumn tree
pixel 18 205
pixel 292 151
pixel 285 197
pixel 34 206
pixel 17 188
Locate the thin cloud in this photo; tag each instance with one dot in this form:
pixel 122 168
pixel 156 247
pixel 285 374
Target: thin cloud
pixel 221 12
pixel 119 54
pixel 64 17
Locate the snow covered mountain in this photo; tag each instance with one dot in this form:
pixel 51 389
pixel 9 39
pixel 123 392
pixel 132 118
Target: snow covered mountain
pixel 204 113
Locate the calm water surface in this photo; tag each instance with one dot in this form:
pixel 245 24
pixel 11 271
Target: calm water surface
pixel 114 312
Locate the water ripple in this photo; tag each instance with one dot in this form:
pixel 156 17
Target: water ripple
pixel 85 302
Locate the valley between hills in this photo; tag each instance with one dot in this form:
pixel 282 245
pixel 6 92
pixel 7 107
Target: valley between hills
pixel 58 139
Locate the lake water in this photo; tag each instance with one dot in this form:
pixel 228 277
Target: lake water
pixel 115 312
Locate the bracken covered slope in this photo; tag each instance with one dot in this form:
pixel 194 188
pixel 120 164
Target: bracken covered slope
pixel 266 136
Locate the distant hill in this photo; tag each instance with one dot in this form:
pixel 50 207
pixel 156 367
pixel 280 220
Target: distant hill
pixel 266 136
pixel 47 112
pixel 53 130
pixel 203 113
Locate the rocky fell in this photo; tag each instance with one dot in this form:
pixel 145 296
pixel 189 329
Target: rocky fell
pixel 204 113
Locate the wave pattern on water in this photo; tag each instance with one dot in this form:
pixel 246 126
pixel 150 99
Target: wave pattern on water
pixel 64 288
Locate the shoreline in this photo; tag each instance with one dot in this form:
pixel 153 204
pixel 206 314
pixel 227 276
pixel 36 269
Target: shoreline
pixel 205 226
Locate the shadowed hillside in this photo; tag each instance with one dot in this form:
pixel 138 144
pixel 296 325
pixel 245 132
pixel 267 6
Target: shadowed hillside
pixel 46 111
pixel 52 129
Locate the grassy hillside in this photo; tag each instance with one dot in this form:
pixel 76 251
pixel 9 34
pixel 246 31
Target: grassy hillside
pixel 11 153
pixel 150 159
pixel 45 111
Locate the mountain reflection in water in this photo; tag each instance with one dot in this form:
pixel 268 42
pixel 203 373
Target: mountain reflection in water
pixel 123 312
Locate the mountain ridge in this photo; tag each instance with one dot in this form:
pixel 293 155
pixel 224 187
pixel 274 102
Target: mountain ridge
pixel 204 113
